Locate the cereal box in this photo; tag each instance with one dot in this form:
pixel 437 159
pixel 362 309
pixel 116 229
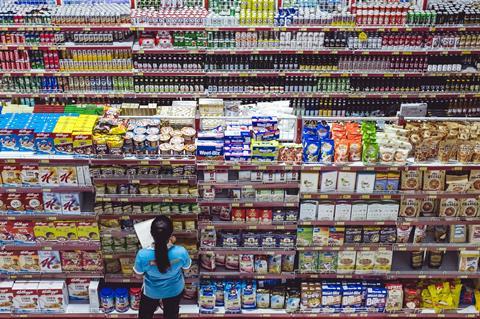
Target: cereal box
pixel 65 230
pixel 11 175
pixel 53 296
pixel 92 261
pixel 383 261
pixel 52 203
pixel 8 261
pixel 346 261
pixel 71 260
pixel 44 231
pixel 49 261
pixel 70 203
pixel 67 175
pixel 48 175
pixel 30 175
pixel 3 204
pixel 6 296
pixel 5 234
pixel 25 296
pixel 78 288
pixel 88 231
pixel 22 231
pixel 14 203
pixel 28 261
pixel 33 202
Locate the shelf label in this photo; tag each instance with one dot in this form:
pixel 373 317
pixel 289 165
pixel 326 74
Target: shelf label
pixel 307 196
pixel 248 205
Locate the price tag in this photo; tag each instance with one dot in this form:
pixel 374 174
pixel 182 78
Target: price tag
pixel 235 205
pixel 124 199
pixel 387 196
pixel 46 248
pixel 167 200
pixel 346 196
pixel 365 197
pixel 248 205
pixel 323 196
pixel 307 196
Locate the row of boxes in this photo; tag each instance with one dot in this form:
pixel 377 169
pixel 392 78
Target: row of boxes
pixel 47 202
pixel 39 175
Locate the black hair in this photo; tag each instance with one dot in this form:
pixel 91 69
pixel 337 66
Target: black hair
pixel 161 230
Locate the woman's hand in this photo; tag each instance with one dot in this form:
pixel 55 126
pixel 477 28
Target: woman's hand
pixel 173 240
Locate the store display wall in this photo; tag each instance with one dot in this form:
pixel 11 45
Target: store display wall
pixel 267 130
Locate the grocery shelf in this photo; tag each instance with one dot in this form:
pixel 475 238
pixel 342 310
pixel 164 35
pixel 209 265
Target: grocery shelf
pixel 123 278
pixel 68 245
pixel 154 198
pixel 31 157
pixel 236 274
pixel 166 160
pixel 123 233
pixel 7 73
pixel 394 247
pixel 246 203
pixel 398 221
pixel 136 179
pixel 254 185
pixel 249 251
pixel 331 51
pixel 248 226
pixel 195 95
pixel 207 166
pixel 434 274
pixel 45 216
pixel 158 27
pixel 41 189
pixel 283 73
pixel 388 195
pixel 50 276
pixel 186 216
pixel 66 46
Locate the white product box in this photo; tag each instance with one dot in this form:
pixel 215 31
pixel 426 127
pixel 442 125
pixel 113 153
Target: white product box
pixel 52 203
pixel 309 182
pixel 93 296
pixel 346 181
pixel 67 175
pixel 328 181
pixel 280 177
pixel 6 296
pixel 80 176
pixel 86 176
pixel 256 176
pixel 221 177
pixel 53 296
pixel 78 289
pixel 325 211
pixel 390 210
pixel 365 182
pixel 244 176
pixel 343 211
pixel 374 211
pixel 308 210
pixel 269 177
pixel 209 176
pixel 48 175
pixel 359 211
pixel 70 203
pixel 25 296
pixel 49 261
pixel 293 176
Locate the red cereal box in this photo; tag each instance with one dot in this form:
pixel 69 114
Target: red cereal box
pixel 92 261
pixel 238 215
pixel 265 216
pixel 22 231
pixel 251 215
pixel 71 260
pixel 15 203
pixel 3 204
pixel 33 202
pixel 5 234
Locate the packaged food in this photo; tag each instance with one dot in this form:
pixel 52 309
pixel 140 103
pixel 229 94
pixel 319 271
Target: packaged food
pixel 249 297
pixel 365 261
pixel 274 264
pixel 371 234
pixel 331 296
pixel 458 233
pixel 288 263
pixel 383 261
pixel 307 261
pixel 261 264
pixel 277 298
pixel 263 298
pixel 207 261
pixel 434 180
pixel 409 207
pixel 394 297
pixel 28 261
pixel 327 261
pixel 346 261
pixel 411 180
pixel 292 303
pixel 246 263
pixel 206 298
pixel 353 235
pixel 419 233
pixel 233 302
pixel 468 261
pixel 468 207
pixel 449 207
pixel 352 295
pixel 49 261
pixel 375 299
pixel 232 262
pixel 320 236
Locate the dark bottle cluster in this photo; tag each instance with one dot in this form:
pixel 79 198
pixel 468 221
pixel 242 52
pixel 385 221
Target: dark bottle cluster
pixel 173 62
pixel 456 12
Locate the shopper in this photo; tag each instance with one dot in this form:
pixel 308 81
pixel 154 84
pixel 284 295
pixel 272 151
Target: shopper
pixel 161 267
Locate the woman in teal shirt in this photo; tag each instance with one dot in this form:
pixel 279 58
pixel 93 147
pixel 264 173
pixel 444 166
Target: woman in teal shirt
pixel 161 267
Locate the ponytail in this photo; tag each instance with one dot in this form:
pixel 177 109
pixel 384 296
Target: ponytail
pixel 161 230
pixel 161 256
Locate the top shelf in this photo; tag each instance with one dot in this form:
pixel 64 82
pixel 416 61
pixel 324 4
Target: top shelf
pixel 324 28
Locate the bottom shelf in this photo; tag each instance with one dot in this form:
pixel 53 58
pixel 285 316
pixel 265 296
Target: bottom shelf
pixel 191 311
